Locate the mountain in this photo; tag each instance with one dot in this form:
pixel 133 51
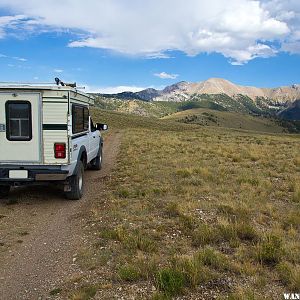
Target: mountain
pixel 215 86
pixel 221 94
pixel 183 90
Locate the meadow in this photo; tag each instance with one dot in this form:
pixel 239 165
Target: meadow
pixel 193 212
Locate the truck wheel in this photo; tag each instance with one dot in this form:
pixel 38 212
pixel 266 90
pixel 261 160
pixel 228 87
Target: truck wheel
pixel 96 163
pixel 76 183
pixel 4 190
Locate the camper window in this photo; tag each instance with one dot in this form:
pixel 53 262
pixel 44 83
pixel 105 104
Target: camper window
pixel 80 117
pixel 18 121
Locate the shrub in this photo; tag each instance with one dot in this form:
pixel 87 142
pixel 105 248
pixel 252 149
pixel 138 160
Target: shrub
pixel 170 281
pixel 173 210
pixel 212 258
pixel 128 273
pixel 269 250
pixel 85 293
pixel 141 242
pixel 289 275
pixel 296 194
pixel 246 232
pixel 204 235
pixel 194 271
pixel 123 193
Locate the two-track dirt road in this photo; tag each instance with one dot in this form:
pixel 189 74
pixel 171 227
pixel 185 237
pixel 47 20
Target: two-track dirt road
pixel 40 232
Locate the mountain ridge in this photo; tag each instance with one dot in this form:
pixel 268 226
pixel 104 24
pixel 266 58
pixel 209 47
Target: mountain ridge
pixel 223 94
pixel 182 90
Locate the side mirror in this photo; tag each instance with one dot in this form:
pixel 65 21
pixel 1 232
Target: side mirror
pixel 102 127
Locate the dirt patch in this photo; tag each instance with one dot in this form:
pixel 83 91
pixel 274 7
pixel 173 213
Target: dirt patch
pixel 40 233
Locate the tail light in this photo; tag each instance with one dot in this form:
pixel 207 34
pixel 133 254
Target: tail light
pixel 60 150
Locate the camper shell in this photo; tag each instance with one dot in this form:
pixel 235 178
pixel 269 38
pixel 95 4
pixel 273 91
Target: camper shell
pixel 46 134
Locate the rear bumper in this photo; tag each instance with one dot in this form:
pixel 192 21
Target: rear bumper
pixel 35 174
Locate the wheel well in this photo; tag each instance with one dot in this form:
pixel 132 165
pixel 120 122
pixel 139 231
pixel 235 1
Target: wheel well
pixel 83 158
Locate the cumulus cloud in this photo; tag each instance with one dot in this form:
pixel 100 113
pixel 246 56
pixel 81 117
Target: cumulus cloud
pixel 239 29
pixel 287 11
pixel 164 75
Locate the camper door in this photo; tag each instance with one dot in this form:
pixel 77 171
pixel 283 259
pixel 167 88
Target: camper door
pixel 20 129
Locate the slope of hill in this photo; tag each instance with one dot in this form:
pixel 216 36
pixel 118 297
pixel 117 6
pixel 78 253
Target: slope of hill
pixel 208 117
pixel 292 112
pixel 235 114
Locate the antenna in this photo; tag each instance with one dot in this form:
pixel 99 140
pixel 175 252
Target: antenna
pixel 59 82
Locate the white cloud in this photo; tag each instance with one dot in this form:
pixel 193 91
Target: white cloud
pixel 164 75
pixel 19 58
pixel 13 57
pixel 239 29
pixel 287 11
pixel 112 89
pixel 10 22
pixel 58 70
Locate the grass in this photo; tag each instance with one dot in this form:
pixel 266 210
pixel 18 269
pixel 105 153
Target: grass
pixel 128 273
pixel 289 274
pixel 270 250
pixel 170 281
pixel 84 293
pixel 191 210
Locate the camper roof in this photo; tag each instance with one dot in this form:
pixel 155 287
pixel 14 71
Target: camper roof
pixel 13 86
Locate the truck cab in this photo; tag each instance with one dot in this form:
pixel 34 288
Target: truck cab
pixel 47 135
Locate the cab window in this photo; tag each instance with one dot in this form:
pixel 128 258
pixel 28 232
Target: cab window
pixel 80 119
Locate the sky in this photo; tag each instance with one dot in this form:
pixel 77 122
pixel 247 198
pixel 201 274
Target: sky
pixel 116 45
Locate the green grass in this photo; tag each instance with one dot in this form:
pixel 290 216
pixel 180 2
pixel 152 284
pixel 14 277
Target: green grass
pixel 128 273
pixel 170 281
pixel 189 209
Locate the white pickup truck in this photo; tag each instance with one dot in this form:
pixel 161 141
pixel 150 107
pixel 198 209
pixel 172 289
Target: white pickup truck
pixel 47 135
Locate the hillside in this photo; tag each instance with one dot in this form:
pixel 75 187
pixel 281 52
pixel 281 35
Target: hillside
pixel 208 117
pixel 237 115
pixel 292 112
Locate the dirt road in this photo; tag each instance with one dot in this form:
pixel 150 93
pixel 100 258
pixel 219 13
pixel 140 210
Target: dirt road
pixel 40 233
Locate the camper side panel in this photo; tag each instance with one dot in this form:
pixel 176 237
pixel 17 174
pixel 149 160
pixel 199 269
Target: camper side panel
pixel 55 125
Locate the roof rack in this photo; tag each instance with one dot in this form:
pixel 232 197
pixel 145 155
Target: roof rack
pixel 57 82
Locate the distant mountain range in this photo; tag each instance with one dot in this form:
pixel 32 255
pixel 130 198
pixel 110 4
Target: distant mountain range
pixel 225 95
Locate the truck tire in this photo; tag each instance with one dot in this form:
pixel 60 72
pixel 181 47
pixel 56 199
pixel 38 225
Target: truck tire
pixel 96 163
pixel 4 190
pixel 76 183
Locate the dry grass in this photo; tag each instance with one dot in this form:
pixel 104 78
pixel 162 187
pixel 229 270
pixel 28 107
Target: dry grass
pixel 193 211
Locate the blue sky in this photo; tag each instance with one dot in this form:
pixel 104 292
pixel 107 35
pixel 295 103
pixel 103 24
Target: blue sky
pixel 109 55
